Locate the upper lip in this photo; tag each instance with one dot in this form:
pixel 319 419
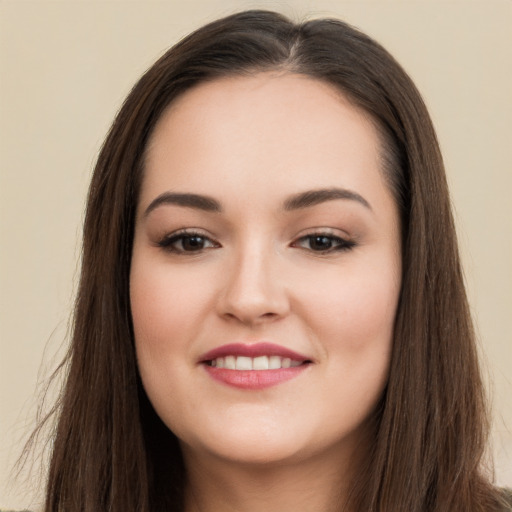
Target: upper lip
pixel 252 350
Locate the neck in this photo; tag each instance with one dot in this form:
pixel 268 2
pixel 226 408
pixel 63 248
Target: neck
pixel 320 485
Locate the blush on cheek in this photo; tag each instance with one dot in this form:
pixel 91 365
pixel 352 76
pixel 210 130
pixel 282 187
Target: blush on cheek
pixel 364 313
pixel 151 303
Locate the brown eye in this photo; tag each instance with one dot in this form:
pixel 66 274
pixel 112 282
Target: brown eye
pixel 320 243
pixel 185 242
pixel 192 243
pixel 324 243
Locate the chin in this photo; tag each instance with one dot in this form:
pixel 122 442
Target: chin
pixel 262 444
pixel 244 442
pixel 252 453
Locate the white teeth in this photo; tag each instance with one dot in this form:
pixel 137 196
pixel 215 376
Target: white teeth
pixel 260 363
pixel 256 363
pixel 243 363
pixel 229 362
pixel 274 362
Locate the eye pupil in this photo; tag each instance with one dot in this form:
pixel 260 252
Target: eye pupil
pixel 320 243
pixel 192 243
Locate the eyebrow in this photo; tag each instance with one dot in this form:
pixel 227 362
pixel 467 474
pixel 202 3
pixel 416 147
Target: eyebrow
pixel 199 202
pixel 296 202
pixel 314 197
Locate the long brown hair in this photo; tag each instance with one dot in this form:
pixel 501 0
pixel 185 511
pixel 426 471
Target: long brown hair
pixel 112 452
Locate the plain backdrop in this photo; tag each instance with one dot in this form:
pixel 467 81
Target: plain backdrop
pixel 65 68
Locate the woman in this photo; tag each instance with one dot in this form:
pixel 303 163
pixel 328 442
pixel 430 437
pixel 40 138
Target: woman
pixel 271 312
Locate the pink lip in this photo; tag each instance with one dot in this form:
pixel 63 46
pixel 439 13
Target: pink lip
pixel 253 379
pixel 252 350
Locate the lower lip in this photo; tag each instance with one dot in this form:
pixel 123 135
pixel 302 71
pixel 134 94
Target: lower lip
pixel 254 379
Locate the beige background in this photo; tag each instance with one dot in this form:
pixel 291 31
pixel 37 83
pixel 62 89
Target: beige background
pixel 66 66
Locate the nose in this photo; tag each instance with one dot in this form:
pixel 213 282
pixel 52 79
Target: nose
pixel 253 291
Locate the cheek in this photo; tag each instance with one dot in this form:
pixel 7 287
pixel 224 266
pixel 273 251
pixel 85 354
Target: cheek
pixel 352 317
pixel 167 312
pixel 353 308
pixel 359 340
pixel 163 301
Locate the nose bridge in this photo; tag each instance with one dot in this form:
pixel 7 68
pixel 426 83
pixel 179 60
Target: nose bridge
pixel 253 289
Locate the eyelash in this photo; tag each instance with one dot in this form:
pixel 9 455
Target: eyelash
pixel 168 242
pixel 337 244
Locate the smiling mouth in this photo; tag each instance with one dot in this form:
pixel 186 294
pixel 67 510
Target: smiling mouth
pixel 245 363
pixel 253 366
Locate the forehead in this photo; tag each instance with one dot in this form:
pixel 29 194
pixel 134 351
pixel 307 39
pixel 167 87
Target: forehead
pixel 262 133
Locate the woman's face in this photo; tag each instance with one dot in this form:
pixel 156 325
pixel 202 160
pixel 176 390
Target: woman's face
pixel 266 270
